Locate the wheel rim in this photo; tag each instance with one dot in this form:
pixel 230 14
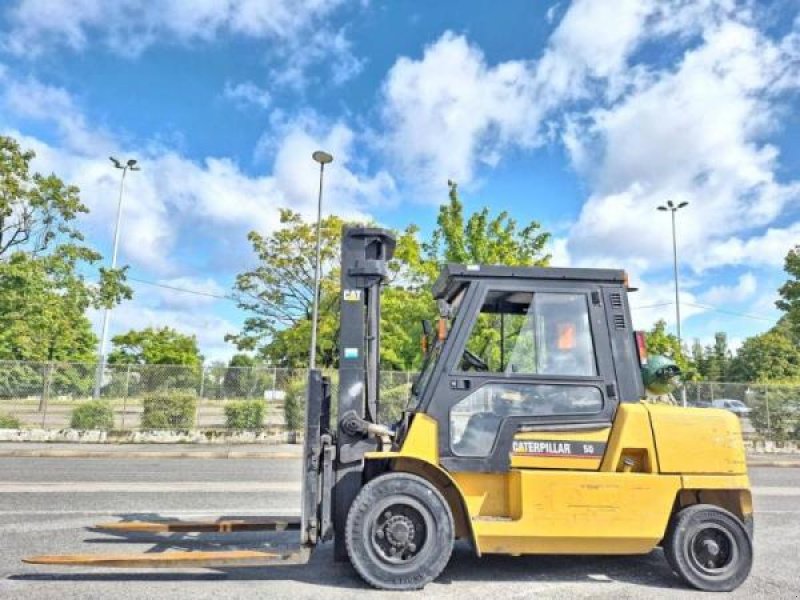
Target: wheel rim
pixel 397 532
pixel 713 551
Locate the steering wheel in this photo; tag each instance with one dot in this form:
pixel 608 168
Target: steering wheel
pixel 475 361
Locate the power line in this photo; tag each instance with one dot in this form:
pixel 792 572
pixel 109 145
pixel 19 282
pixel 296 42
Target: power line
pixel 711 308
pixel 730 312
pixel 181 289
pixel 231 298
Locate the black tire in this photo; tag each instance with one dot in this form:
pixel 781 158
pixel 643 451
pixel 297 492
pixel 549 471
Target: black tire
pixel 668 555
pixel 399 532
pixel 709 548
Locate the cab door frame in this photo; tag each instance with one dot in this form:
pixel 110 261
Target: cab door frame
pixel 449 385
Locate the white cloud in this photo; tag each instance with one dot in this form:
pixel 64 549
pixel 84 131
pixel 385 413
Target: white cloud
pixel 720 295
pixel 300 27
pixel 656 301
pixel 187 292
pixel 173 197
pixel 450 110
pixel 692 134
pixel 128 28
pixel 323 45
pixel 246 93
pixel 208 328
pixel 175 205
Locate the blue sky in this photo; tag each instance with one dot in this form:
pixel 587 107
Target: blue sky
pixel 583 116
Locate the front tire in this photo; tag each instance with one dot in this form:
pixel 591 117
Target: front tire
pixel 399 532
pixel 709 548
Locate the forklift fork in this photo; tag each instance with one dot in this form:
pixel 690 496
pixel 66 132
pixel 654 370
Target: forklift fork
pixel 315 523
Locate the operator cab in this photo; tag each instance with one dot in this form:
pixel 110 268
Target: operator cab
pixel 520 349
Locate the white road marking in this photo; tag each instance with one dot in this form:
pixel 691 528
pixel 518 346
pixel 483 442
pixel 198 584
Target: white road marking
pixel 134 487
pixel 210 512
pixel 776 491
pixel 79 487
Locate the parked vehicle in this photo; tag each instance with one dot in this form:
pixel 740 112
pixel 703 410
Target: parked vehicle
pixel 701 403
pixel 735 406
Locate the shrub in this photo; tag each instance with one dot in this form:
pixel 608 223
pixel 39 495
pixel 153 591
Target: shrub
pixel 9 422
pixel 244 414
pixel 393 402
pixel 169 411
pixel 94 414
pixel 294 403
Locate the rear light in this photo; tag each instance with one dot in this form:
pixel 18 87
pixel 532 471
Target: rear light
pixel 641 347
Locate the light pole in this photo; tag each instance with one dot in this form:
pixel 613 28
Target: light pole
pixel 323 158
pixel 129 165
pixel 673 208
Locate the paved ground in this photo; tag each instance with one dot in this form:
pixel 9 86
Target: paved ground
pixel 46 505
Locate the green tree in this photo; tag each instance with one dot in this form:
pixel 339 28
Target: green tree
pixel 44 293
pixel 167 359
pixel 714 361
pixel 484 239
pixel 771 356
pixel 278 292
pixel 150 346
pixel 243 378
pixel 789 292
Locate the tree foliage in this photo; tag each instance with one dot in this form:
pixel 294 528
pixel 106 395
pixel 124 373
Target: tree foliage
pixel 484 239
pixel 713 362
pixel 150 346
pixel 278 292
pixel 771 356
pixel 44 293
pixel 789 293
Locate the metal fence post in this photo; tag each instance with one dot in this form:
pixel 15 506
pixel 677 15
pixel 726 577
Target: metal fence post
pixel 274 383
pixel 125 395
pixel 202 380
pixel 766 406
pixel 46 375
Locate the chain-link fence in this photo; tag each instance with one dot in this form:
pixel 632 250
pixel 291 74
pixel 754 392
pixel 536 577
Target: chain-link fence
pixel 46 395
pixel 769 411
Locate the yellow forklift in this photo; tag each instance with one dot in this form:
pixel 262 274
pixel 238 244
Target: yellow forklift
pixel 525 433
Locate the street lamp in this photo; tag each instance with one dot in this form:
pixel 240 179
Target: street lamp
pixel 323 158
pixel 129 165
pixel 673 208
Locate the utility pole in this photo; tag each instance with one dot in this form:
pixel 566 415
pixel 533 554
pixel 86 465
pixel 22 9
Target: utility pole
pixel 323 158
pixel 101 367
pixel 673 208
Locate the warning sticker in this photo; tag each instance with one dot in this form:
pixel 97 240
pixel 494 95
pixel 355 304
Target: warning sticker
pixel 552 448
pixel 351 295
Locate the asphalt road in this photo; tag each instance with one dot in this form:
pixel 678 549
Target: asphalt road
pixel 47 505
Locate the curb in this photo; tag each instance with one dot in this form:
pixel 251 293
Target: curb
pixel 203 455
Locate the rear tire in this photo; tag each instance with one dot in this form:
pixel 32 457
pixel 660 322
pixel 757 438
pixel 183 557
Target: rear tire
pixel 709 548
pixel 399 532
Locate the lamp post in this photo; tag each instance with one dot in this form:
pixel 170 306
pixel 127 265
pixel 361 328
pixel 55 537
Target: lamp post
pixel 129 165
pixel 323 158
pixel 672 208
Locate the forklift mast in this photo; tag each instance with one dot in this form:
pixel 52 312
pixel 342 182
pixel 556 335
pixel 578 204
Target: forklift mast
pixel 366 252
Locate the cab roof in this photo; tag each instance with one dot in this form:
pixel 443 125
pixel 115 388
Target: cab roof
pixel 455 276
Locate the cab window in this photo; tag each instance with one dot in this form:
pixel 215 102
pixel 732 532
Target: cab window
pixel 531 333
pixel 475 420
